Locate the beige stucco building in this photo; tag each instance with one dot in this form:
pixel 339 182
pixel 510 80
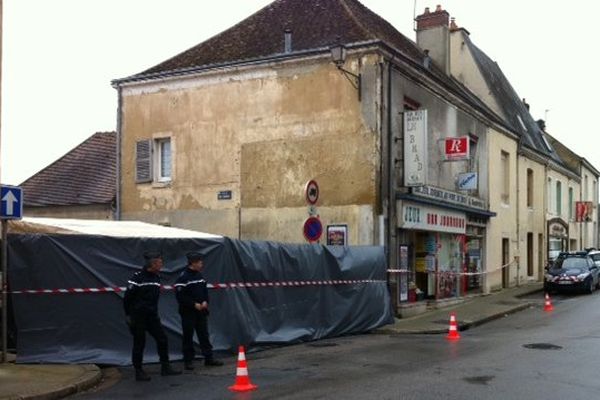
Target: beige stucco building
pixel 224 137
pixel 531 183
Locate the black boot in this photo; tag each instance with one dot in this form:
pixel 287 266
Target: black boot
pixel 166 370
pixel 188 365
pixel 211 362
pixel 141 375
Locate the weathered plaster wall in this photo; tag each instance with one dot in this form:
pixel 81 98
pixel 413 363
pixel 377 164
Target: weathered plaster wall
pixel 504 224
pixel 261 133
pixel 532 219
pixel 466 70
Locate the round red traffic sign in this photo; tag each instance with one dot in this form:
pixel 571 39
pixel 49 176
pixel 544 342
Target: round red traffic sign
pixel 313 229
pixel 312 192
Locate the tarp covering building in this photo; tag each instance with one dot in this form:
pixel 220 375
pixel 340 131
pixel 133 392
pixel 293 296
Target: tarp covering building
pixel 67 290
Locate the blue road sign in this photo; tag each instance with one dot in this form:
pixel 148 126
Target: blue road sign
pixel 312 229
pixel 11 202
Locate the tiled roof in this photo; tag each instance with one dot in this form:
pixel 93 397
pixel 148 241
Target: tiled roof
pixel 85 175
pixel 314 24
pixel 517 116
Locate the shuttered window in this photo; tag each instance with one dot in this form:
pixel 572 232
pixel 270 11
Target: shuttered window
pixel 143 161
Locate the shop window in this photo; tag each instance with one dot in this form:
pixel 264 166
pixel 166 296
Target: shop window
pixel 529 188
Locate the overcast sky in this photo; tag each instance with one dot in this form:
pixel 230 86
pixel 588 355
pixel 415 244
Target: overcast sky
pixel 59 57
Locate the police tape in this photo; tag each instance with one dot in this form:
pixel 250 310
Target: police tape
pixel 232 285
pixel 446 273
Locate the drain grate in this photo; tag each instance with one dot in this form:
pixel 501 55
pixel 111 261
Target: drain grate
pixel 542 346
pixel 322 344
pixel 479 380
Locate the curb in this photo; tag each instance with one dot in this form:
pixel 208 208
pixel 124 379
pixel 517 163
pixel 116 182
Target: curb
pixel 91 376
pixel 463 326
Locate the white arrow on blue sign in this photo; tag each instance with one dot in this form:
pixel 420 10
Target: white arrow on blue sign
pixel 11 202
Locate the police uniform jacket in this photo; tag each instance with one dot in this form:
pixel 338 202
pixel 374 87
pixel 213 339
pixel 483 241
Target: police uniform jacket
pixel 141 296
pixel 190 289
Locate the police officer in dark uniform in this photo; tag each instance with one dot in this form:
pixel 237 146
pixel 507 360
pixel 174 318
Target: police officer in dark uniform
pixel 141 311
pixel 192 296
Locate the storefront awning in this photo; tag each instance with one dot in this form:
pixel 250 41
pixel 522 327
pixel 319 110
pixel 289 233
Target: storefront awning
pixel 484 214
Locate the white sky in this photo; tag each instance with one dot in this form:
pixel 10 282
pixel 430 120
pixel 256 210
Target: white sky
pixel 59 57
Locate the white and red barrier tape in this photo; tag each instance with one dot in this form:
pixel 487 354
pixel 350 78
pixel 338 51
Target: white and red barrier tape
pixel 233 285
pixel 405 271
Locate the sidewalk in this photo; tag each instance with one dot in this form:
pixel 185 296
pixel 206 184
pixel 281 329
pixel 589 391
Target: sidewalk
pixel 45 381
pixel 472 312
pixel 53 381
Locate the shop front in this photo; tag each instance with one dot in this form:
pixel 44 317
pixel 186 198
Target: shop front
pixel 433 250
pixel 558 237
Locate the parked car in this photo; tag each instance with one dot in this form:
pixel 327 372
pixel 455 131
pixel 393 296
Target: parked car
pixel 574 271
pixel 595 254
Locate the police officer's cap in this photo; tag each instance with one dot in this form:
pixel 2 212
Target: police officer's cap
pixel 152 255
pixel 194 256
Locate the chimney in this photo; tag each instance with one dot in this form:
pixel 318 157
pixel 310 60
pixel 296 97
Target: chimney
pixel 526 105
pixel 433 33
pixel 288 41
pixel 432 19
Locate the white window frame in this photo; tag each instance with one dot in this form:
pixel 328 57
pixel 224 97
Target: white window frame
pixel 158 158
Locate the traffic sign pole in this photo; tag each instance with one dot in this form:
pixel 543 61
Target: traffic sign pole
pixel 4 286
pixel 11 207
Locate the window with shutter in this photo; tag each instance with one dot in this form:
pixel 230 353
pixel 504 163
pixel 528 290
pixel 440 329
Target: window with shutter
pixel 143 161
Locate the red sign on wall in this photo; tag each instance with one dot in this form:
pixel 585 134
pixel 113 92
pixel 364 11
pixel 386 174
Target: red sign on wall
pixel 583 211
pixel 457 148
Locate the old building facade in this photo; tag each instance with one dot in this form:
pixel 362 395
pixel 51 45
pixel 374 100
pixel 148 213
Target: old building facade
pixel 224 137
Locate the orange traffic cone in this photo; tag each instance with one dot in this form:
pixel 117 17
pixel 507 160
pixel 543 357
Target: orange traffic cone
pixel 242 380
pixel 548 304
pixel 453 329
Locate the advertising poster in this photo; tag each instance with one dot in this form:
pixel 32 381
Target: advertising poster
pixel 337 235
pixel 403 281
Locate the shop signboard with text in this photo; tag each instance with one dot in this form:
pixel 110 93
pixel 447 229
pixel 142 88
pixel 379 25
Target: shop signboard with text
pixel 427 218
pixel 415 147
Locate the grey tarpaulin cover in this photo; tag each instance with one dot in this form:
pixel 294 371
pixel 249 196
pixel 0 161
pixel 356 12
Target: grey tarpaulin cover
pixel 90 327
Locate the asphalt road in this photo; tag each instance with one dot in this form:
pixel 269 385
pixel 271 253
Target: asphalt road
pixel 527 355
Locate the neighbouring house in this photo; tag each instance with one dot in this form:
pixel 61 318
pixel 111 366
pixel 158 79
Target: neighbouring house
pixel 532 180
pixel 581 206
pixel 81 184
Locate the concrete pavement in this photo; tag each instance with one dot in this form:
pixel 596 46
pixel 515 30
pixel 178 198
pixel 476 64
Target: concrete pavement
pixel 46 382
pixel 471 312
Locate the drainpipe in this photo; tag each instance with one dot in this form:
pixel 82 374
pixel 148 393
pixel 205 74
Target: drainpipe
pixel 518 256
pixel 391 158
pixel 117 214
